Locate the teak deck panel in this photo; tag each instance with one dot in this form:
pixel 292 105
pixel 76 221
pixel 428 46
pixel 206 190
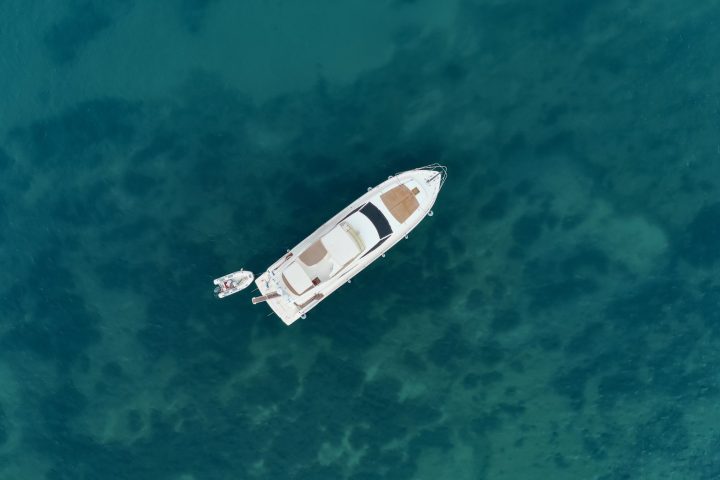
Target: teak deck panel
pixel 313 254
pixel 401 202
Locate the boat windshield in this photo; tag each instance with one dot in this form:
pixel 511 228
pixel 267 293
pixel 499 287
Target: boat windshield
pixel 377 218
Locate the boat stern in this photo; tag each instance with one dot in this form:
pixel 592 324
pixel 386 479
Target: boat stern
pixel 276 298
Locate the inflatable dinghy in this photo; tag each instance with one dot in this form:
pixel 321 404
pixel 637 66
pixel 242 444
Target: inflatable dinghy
pixel 232 283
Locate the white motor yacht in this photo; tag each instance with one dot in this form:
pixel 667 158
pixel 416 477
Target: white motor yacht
pixel 348 242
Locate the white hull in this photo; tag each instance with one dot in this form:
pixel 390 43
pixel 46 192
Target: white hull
pixel 329 258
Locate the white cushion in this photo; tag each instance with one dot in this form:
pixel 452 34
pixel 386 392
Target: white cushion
pixel 340 245
pixel 297 277
pixel 364 227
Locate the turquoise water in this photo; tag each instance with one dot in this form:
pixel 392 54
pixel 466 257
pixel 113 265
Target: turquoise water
pixel 556 318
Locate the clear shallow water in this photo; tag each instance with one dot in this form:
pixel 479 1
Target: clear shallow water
pixel 558 316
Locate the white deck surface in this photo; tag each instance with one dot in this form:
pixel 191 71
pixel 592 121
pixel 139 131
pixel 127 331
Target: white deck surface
pixel 341 247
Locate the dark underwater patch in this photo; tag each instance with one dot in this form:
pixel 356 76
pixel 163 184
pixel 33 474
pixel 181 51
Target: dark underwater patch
pixel 458 246
pixel 388 463
pixel 277 383
pixel 523 188
pixel 673 374
pixel 561 143
pixel 646 304
pixel 505 320
pixel 116 273
pixel 319 472
pixel 497 286
pixel 561 291
pixel 57 409
pixel 707 460
pixel 565 276
pixel 367 475
pixel 437 437
pixel 470 381
pixel 514 148
pixel 171 327
pixel 139 184
pixel 490 378
pixel 59 326
pixel 527 229
pixel 597 446
pixel 490 352
pixel 94 207
pixel 382 417
pixel 66 38
pixel 475 299
pixel 585 260
pixel 162 144
pixel 166 331
pixel 134 421
pixel 569 223
pixel 569 16
pixel 334 376
pixel 193 13
pixel 663 434
pixel 112 371
pixel 66 140
pixel 449 348
pixel 454 72
pixel 3 219
pixel 553 112
pixel 408 278
pixel 549 342
pixel 706 306
pixel 380 410
pixel 560 461
pixel 511 410
pixel 5 161
pixel 486 423
pixel 613 388
pixel 414 361
pixel 4 427
pixel 356 329
pixel 294 444
pixel 701 240
pixel 586 341
pixel 497 207
pixel 689 45
pixel 571 382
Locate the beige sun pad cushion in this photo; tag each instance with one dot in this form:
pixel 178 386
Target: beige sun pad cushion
pixel 313 254
pixel 401 202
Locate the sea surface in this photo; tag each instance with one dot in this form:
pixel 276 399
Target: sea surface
pixel 557 318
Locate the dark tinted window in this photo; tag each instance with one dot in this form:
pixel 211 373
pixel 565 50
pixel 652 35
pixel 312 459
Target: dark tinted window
pixel 378 219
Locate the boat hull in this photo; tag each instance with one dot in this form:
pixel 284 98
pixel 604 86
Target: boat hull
pixel 290 307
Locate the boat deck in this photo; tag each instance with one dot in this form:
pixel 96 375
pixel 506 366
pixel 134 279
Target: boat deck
pixel 401 202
